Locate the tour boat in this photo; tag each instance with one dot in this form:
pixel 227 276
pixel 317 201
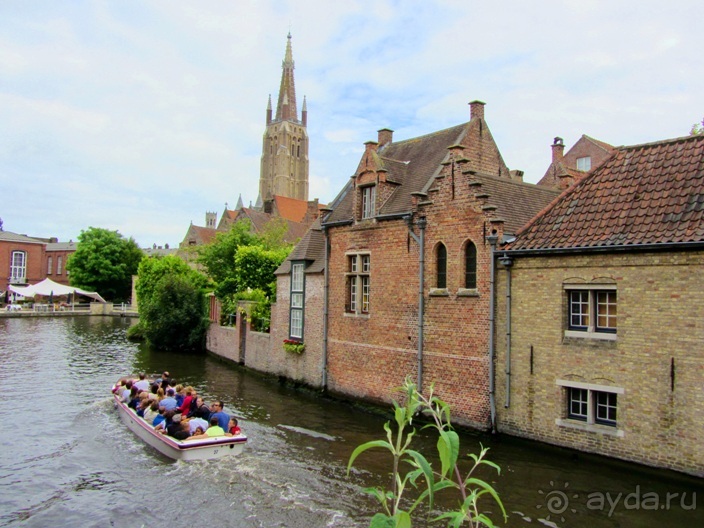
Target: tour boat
pixel 216 447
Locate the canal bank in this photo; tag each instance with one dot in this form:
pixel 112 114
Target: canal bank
pixel 293 472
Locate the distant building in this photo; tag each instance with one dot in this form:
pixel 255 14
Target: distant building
pixel 582 159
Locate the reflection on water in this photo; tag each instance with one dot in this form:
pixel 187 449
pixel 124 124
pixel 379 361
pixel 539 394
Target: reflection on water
pixel 75 464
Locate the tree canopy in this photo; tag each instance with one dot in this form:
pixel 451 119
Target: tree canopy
pixel 697 129
pixel 105 262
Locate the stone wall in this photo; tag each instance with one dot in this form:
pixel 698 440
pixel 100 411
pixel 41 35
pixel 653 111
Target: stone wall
pixel 656 360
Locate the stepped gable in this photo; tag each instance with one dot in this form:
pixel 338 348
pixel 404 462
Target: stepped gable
pixel 516 202
pixel 644 194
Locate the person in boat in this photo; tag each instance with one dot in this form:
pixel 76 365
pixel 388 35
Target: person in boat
pixel 165 376
pixel 142 383
pixel 216 409
pixel 126 392
pixel 134 398
pixel 185 406
pixel 178 429
pixel 160 394
pixel 169 403
pixel 151 412
pixel 233 428
pixel 201 410
pixel 213 431
pixel 197 423
pixel 153 392
pixel 144 403
pixel 160 417
pixel 179 394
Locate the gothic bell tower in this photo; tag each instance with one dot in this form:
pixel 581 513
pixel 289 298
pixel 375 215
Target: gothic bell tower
pixel 284 166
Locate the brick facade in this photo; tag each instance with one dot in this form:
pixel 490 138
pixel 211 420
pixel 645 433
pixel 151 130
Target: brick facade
pixel 657 357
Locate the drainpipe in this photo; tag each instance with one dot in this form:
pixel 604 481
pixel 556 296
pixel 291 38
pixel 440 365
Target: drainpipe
pixel 420 240
pixel 507 263
pixel 326 288
pixel 493 238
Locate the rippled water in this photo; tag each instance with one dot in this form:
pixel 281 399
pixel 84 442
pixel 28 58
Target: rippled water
pixel 67 461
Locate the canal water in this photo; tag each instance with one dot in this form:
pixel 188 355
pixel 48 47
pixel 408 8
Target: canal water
pixel 67 461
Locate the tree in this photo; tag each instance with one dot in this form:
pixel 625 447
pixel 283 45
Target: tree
pixel 697 129
pixel 175 316
pixel 151 270
pixel 218 257
pixel 104 261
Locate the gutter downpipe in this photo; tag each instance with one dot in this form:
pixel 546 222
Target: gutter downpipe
pixel 326 288
pixel 420 240
pixel 492 389
pixel 507 263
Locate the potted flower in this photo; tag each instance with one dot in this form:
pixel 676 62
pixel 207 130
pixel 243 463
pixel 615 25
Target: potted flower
pixel 294 346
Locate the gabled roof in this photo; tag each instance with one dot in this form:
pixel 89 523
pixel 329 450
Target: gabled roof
pixel 200 235
pixel 15 237
pixel 311 249
pixel 260 219
pixel 410 163
pixel 644 194
pixel 291 208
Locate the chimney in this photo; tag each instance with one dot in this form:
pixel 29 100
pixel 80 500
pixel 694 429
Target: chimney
pixel 371 145
pixel 516 175
pixel 476 110
pixel 558 149
pixel 386 136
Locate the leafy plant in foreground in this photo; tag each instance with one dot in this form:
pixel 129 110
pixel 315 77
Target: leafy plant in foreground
pixel 469 487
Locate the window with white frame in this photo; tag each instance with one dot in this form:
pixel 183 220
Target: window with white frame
pixel 368 201
pixel 18 267
pixel 592 311
pixel 59 265
pixel 358 283
pixel 590 406
pixel 584 164
pixel 297 300
pixel 49 265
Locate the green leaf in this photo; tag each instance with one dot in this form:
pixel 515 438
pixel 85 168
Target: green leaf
pixel 381 521
pixel 487 488
pixel 448 449
pixel 426 470
pixel 364 447
pixel 403 519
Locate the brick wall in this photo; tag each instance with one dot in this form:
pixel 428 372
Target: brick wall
pixel 660 320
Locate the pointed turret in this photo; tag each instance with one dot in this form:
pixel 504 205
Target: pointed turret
pixel 268 111
pixel 304 112
pixel 286 109
pixel 239 205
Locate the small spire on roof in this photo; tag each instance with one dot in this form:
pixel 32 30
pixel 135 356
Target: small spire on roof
pixel 239 205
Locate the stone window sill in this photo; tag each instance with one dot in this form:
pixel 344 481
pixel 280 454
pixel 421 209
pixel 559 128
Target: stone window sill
pixel 467 292
pixel 439 292
pixel 590 428
pixel 590 335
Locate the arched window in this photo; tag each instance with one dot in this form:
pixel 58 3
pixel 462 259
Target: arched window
pixel 441 261
pixel 470 265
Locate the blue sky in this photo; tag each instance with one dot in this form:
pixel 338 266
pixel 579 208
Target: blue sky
pixel 140 116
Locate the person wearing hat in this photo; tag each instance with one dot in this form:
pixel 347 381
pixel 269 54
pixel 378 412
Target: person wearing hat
pixel 169 403
pixel 178 428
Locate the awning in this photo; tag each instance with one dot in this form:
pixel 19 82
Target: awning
pixel 48 287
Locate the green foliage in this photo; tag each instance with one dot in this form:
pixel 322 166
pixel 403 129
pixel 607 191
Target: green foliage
pixel 294 347
pixel 421 472
pixel 152 269
pixel 697 129
pixel 255 266
pixel 218 257
pixel 104 261
pixel 175 316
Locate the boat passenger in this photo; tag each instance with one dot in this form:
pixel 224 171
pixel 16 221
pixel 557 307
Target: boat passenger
pixel 169 403
pixel 197 423
pixel 165 376
pixel 214 429
pixel 233 429
pixel 125 395
pixel 177 429
pixel 134 398
pixel 185 406
pixel 201 410
pixel 144 404
pixel 153 392
pixel 142 384
pixel 151 412
pixel 168 419
pixel 160 418
pixel 160 394
pixel 179 395
pixel 217 411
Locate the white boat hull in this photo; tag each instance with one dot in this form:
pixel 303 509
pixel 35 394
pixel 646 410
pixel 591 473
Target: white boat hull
pixel 217 447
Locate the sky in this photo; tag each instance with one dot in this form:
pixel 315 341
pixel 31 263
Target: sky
pixel 141 115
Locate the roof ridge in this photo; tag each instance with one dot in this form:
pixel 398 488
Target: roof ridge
pixel 430 134
pixel 691 137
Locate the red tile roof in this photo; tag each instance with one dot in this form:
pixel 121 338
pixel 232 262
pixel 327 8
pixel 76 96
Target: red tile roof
pixel 291 208
pixel 644 194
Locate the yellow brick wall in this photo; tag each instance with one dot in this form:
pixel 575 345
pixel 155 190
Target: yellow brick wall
pixel 660 319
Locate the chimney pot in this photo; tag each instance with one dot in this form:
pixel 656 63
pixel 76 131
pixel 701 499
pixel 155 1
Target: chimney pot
pixel 386 136
pixel 558 149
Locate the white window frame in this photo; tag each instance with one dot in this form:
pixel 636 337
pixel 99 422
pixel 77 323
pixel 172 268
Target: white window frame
pixel 59 265
pixel 358 283
pixel 18 267
pixel 297 303
pixel 368 201
pixel 590 321
pixel 49 265
pixel 584 163
pixel 590 420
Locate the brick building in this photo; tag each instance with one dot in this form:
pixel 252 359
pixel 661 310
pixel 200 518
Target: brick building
pixel 603 347
pixel 583 158
pixel 448 192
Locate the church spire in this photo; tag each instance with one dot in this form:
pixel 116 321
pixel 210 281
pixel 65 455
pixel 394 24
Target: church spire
pixel 286 109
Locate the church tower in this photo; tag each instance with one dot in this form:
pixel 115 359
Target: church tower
pixel 284 167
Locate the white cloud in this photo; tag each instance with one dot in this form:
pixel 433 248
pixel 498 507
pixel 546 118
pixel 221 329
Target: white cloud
pixel 141 116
